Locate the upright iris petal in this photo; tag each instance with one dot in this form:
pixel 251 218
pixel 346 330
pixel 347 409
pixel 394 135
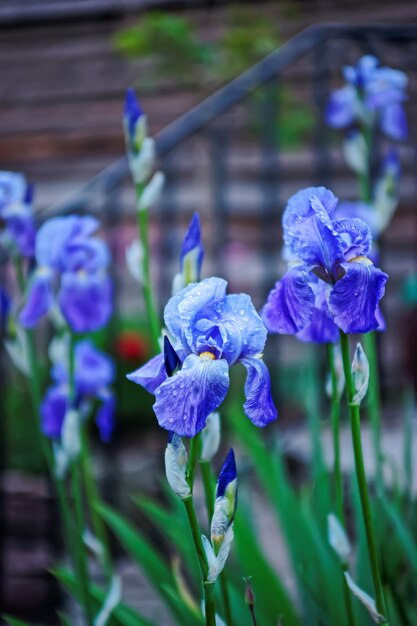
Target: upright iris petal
pixel 16 214
pixel 337 285
pixel 70 257
pixel 209 331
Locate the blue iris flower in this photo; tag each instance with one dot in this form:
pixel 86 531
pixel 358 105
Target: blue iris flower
pixel 210 331
pixel 331 283
pixel 373 94
pixel 94 373
pixel 70 257
pixel 16 214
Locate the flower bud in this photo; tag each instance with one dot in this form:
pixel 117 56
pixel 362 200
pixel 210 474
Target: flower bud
pixel 142 163
pixel 226 500
pixel 134 256
pixel 340 376
pixel 134 122
pixel 360 374
pixel 249 595
pixel 386 192
pixel 210 437
pixel 355 151
pixel 176 466
pixel 367 601
pixel 337 537
pixel 70 434
pixel 191 257
pixel 216 562
pixel 152 192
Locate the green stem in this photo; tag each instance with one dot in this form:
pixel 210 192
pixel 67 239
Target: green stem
pixel 348 598
pixel 143 227
pixel 80 551
pixel 373 400
pixel 80 548
pixel 207 477
pixel 209 603
pixel 196 534
pixel 208 488
pixel 192 459
pixel 354 413
pixel 208 588
pixel 94 499
pixel 335 420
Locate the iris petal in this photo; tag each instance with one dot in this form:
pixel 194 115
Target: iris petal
pixel 356 237
pixel 355 297
pixel 342 107
pixel 184 401
pixel 85 300
pixel 105 417
pixel 290 304
pixel 258 406
pixel 394 121
pixel 322 328
pixel 150 375
pixel 186 306
pixel 39 300
pixel 53 409
pixel 308 227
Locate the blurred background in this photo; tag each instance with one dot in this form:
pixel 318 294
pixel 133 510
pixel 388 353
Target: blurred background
pixel 234 93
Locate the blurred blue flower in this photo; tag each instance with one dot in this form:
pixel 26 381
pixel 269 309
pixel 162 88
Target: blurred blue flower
pixel 349 286
pixel 16 215
pixel 210 331
pixel 93 375
pixel 70 256
pixel 373 94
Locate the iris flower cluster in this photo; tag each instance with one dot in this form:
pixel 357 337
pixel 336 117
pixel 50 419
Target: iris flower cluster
pixel 71 273
pixel 209 332
pixel 17 227
pixel 372 95
pixel 93 375
pixel 331 283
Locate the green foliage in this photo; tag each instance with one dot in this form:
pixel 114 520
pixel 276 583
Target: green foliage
pixel 170 41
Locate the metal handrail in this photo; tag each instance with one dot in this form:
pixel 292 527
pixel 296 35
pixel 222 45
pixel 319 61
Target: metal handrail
pixel 236 90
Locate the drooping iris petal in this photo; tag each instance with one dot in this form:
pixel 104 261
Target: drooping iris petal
pixel 40 299
pixel 53 409
pixel 322 328
pixel 290 304
pixel 94 369
pixel 85 300
pixel 258 406
pixel 105 417
pixel 355 297
pixel 356 237
pixel 184 401
pixel 150 375
pixel 307 224
pixel 342 107
pixel 394 121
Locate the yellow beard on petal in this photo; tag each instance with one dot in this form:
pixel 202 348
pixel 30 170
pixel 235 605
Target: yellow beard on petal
pixel 207 356
pixel 361 259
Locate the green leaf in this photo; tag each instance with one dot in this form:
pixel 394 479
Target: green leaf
pixel 15 622
pixel 150 562
pixel 270 593
pixel 122 614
